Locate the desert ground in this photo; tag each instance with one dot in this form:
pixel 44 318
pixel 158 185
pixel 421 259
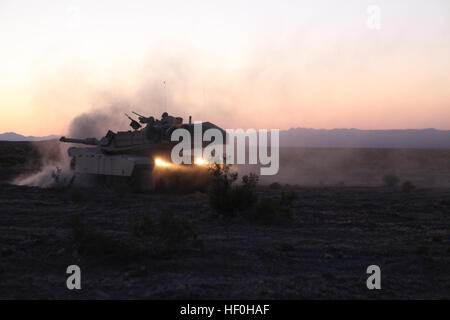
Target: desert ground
pixel 132 245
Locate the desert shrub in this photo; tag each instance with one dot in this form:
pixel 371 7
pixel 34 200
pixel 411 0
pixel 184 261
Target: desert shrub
pixel 408 186
pixel 286 246
pixel 77 194
pixel 225 196
pixel 146 237
pixel 176 233
pixel 244 194
pixel 275 186
pixel 422 249
pixel 93 242
pixel 219 192
pixel 142 225
pixel 165 235
pixel 270 209
pixel 390 180
pixel 230 199
pixel 287 198
pixel 437 238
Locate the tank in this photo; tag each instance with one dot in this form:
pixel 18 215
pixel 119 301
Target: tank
pixel 141 156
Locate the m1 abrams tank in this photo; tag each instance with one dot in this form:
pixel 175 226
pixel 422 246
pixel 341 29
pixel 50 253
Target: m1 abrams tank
pixel 139 157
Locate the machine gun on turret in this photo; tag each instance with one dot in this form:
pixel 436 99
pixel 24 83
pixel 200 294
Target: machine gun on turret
pixel 146 120
pixel 134 124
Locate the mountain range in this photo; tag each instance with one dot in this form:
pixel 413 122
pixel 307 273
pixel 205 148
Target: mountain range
pixel 335 138
pixel 12 136
pixel 355 138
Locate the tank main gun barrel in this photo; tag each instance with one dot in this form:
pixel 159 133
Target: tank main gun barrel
pixel 88 141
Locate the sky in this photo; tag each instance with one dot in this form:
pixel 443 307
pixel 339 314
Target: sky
pixel 240 64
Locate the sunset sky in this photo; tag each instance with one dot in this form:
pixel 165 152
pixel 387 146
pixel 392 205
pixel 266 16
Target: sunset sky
pixel 246 64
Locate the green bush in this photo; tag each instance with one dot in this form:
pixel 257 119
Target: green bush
pixel 391 180
pixel 176 233
pixel 225 196
pixel 270 209
pixel 286 246
pixel 142 225
pixel 230 199
pixel 408 186
pixel 160 237
pixel 287 198
pixel 275 186
pixel 165 235
pixel 90 241
pixel 437 238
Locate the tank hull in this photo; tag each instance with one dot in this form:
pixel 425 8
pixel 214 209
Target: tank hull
pixel 93 161
pixel 140 172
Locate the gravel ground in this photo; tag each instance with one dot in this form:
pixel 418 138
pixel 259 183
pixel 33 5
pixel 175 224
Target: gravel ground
pixel 322 252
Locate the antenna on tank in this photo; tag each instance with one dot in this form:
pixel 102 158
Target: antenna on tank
pixel 165 95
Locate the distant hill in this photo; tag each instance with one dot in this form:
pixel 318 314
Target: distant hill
pixel 354 138
pixel 12 136
pixel 335 138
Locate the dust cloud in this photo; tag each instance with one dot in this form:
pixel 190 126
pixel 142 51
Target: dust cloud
pixel 359 167
pixel 53 166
